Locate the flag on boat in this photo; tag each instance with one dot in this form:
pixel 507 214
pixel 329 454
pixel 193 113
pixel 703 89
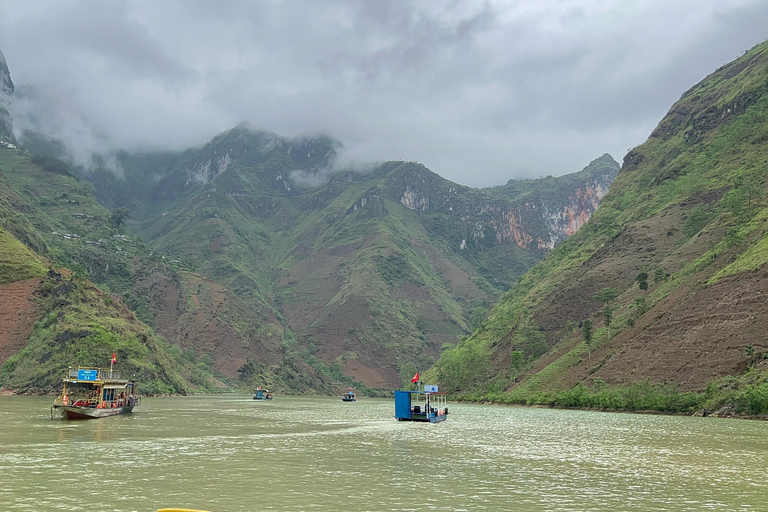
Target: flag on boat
pixel 114 358
pixel 415 377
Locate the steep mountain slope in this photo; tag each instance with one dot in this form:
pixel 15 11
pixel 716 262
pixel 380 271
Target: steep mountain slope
pixel 680 239
pixel 50 322
pixel 43 206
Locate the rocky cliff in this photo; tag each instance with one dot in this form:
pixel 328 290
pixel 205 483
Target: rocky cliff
pixel 6 91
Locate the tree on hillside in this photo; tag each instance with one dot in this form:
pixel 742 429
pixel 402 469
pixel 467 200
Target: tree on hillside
pixel 586 333
pixel 606 296
pixel 642 280
pixel 641 305
pixel 607 318
pixel 118 217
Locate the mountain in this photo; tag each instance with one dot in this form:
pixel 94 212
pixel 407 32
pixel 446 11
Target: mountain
pixel 656 302
pixel 363 274
pixel 51 217
pixel 256 260
pixel 6 91
pixel 53 317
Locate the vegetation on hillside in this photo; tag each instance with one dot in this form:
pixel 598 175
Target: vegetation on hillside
pixel 81 325
pixel 705 163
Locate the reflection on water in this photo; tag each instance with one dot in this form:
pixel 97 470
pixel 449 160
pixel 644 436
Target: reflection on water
pixel 236 454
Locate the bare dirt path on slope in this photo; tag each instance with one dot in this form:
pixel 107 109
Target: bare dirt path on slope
pixel 18 314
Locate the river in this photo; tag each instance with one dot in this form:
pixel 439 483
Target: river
pixel 231 453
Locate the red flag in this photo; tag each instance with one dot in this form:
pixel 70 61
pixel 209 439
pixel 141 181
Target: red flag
pixel 114 359
pixel 415 377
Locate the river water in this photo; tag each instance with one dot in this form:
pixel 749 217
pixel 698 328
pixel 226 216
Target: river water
pixel 232 453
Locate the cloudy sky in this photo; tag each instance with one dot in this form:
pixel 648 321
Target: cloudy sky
pixel 478 91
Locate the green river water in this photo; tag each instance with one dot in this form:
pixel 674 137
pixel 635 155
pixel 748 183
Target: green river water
pixel 232 453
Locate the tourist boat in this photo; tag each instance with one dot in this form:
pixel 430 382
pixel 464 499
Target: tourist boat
pixel 423 405
pixel 262 394
pixel 90 393
pixel 349 396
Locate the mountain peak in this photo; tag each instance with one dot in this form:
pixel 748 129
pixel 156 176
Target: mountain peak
pixel 6 84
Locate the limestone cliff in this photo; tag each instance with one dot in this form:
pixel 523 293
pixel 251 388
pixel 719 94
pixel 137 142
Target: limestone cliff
pixel 6 91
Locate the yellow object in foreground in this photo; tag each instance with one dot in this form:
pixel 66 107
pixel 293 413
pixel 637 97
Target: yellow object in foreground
pixel 180 510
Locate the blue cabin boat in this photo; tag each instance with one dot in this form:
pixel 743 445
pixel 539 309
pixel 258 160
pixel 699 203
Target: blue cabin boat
pixel 263 394
pixel 430 406
pixel 349 396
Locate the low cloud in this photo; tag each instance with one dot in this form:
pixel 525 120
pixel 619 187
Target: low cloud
pixel 478 92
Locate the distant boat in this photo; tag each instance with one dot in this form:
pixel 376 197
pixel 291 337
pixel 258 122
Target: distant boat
pixel 349 396
pixel 262 394
pixel 90 393
pixel 427 405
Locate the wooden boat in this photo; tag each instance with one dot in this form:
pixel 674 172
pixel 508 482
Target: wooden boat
pixel 349 396
pixel 90 393
pixel 427 405
pixel 262 394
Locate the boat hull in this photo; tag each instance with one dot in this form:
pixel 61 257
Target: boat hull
pixel 423 418
pixel 71 412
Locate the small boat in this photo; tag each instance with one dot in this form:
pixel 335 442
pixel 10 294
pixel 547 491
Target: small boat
pixel 349 396
pixel 90 393
pixel 262 394
pixel 427 405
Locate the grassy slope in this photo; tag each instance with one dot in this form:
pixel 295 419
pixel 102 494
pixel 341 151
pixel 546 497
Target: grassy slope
pixel 80 324
pixel 17 262
pixel 708 157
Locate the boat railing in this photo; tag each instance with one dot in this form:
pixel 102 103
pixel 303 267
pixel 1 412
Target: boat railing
pixel 76 401
pixel 103 373
pixel 61 401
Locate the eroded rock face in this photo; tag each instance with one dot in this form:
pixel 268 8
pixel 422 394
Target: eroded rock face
pixel 530 219
pixel 6 91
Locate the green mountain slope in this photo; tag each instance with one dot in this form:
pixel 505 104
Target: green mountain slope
pixel 680 238
pixel 368 275
pixel 76 324
pixel 211 329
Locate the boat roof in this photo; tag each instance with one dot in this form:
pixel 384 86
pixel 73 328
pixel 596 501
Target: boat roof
pixel 422 392
pixel 97 376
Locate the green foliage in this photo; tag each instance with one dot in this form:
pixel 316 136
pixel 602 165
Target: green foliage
pixel 698 217
pixel 79 328
pixel 477 316
pixel 118 217
pixel 462 366
pixel 642 280
pixel 586 331
pixel 393 269
pixel 640 396
pixel 608 318
pixel 531 340
pixel 606 295
pixel 17 262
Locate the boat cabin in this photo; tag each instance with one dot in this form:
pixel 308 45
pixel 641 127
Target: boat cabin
pixel 431 406
pixel 349 396
pixel 263 394
pixel 97 387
